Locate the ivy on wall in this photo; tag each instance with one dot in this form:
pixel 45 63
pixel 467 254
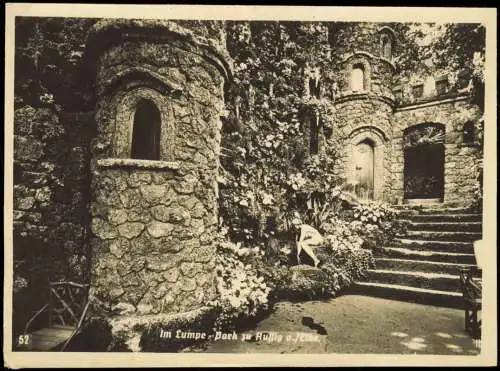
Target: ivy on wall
pixel 268 156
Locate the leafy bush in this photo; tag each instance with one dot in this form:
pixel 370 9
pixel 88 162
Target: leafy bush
pixel 306 283
pixel 277 276
pixel 379 224
pixel 342 255
pixel 345 263
pixel 377 213
pixel 242 292
pixel 341 233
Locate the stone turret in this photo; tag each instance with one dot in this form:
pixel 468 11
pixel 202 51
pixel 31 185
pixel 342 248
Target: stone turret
pixel 154 163
pixel 364 105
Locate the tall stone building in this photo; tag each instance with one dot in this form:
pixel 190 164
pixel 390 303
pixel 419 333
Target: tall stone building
pixel 401 141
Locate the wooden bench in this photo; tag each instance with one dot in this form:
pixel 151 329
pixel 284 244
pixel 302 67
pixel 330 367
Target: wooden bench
pixel 471 291
pixel 65 310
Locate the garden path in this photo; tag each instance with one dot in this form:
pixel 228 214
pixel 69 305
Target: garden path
pixel 358 324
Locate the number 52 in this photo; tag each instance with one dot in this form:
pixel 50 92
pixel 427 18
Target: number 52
pixel 24 339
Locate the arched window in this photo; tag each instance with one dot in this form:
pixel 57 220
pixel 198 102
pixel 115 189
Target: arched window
pixel 386 46
pixel 146 131
pixel 468 132
pixel 358 77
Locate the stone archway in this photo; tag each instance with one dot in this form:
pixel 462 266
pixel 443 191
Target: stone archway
pixel 424 162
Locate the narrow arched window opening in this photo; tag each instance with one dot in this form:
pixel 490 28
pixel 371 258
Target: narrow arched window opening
pixel 386 47
pixel 314 135
pixel 468 132
pixel 358 78
pixel 146 131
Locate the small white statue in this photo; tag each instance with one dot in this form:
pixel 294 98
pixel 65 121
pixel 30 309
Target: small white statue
pixel 308 239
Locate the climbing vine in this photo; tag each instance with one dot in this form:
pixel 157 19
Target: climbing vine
pixel 267 159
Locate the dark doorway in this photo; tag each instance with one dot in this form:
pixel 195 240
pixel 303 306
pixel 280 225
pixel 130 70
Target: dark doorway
pixel 424 162
pixel 146 132
pixel 314 135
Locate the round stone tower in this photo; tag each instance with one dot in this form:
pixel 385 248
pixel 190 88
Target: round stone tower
pixel 364 106
pixel 154 163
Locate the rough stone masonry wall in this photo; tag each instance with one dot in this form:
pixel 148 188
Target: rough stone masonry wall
pixel 359 118
pixel 359 36
pixel 363 115
pixel 359 43
pixel 154 222
pixel 460 172
pixel 51 179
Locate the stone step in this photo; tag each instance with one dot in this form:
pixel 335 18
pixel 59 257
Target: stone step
pixel 424 280
pixel 419 265
pixel 432 207
pixel 443 210
pixel 446 226
pixel 423 265
pixel 444 236
pixel 445 218
pixel 432 245
pixel 438 256
pixel 409 294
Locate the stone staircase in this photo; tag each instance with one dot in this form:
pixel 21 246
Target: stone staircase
pixel 423 265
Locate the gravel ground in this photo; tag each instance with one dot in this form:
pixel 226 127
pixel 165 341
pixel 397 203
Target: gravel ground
pixel 355 324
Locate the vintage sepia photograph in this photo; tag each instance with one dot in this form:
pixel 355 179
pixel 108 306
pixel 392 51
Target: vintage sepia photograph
pixel 218 183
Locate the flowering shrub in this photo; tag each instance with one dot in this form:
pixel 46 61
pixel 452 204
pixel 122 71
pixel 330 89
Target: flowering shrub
pixel 342 256
pixel 242 292
pixel 297 181
pixel 341 233
pixel 478 196
pixel 379 224
pixel 377 213
pixel 345 263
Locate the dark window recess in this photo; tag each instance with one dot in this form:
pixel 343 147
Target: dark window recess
pixel 463 80
pixel 442 87
pixel 314 87
pixel 398 94
pixel 468 133
pixel 314 136
pixel 418 91
pixel 386 47
pixel 146 132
